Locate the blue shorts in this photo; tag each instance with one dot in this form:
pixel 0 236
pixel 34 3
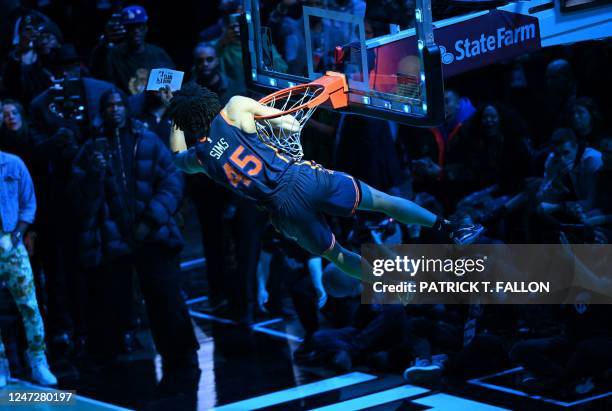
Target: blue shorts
pixel 314 192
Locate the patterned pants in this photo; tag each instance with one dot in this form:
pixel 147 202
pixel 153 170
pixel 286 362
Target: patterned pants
pixel 16 273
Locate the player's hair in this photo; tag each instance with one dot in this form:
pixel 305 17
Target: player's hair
pixel 193 108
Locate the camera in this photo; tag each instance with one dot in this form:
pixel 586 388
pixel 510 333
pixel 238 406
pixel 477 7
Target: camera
pixel 67 99
pixel 115 30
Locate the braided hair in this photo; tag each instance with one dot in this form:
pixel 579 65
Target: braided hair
pixel 193 108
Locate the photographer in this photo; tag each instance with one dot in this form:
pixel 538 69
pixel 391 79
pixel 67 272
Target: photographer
pixel 27 72
pixel 126 60
pixel 127 191
pixel 61 119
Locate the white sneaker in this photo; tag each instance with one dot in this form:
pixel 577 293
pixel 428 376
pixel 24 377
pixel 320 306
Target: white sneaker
pixel 5 372
pixel 40 369
pixel 423 371
pixel 585 386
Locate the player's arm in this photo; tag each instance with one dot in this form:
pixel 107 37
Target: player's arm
pixel 185 159
pixel 177 140
pixel 242 110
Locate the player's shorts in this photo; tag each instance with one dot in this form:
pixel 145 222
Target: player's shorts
pixel 315 191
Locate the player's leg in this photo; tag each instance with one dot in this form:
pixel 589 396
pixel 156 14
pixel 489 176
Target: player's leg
pixel 403 210
pixel 347 261
pixel 408 212
pixel 340 194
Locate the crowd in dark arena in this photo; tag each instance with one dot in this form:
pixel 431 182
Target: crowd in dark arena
pixel 90 195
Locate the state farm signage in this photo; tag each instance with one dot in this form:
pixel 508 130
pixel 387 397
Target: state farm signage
pixel 467 45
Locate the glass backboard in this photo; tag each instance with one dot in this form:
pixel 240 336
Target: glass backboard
pixel 290 42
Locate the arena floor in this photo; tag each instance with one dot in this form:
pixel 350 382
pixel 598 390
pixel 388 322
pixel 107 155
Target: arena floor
pixel 248 369
pixel 252 368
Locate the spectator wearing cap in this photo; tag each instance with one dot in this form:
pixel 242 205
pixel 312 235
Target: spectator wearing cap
pixel 128 64
pixel 27 70
pixel 49 38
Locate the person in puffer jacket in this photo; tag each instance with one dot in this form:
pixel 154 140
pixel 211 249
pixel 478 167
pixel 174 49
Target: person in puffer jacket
pixel 127 192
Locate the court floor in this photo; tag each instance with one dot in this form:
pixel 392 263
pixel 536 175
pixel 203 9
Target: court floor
pixel 252 369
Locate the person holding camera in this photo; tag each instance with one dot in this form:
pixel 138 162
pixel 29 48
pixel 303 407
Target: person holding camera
pixel 123 57
pixel 127 192
pixel 17 210
pixel 62 117
pixel 28 70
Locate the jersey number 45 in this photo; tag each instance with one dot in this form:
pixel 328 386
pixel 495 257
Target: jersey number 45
pixel 240 163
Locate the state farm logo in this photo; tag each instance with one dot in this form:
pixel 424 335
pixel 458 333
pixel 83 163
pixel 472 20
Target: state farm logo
pixel 468 48
pixel 447 57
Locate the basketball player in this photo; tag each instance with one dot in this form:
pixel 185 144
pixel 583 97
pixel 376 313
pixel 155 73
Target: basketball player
pixel 296 194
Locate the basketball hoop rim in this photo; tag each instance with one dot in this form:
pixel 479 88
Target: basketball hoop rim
pixel 332 86
pixel 317 100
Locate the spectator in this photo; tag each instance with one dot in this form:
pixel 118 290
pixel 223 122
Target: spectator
pixel 375 328
pixel 14 132
pixel 72 80
pixel 438 155
pixel 560 87
pixel 17 210
pixel 149 108
pixel 127 192
pixel 600 214
pixel 483 348
pixel 206 71
pixel 569 176
pixel 583 116
pixel 498 142
pixel 603 193
pixel 49 39
pixel 57 135
pixel 213 202
pixel 229 52
pixel 226 7
pixel 129 63
pixel 27 72
pixel 575 359
pixel 290 26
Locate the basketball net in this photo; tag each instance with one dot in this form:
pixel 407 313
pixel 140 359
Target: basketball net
pixel 295 105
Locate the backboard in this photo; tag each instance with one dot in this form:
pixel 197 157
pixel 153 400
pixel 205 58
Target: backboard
pixel 291 42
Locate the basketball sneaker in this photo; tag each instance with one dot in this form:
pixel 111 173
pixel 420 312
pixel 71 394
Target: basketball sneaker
pixel 423 371
pixel 41 373
pixel 462 234
pixel 584 386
